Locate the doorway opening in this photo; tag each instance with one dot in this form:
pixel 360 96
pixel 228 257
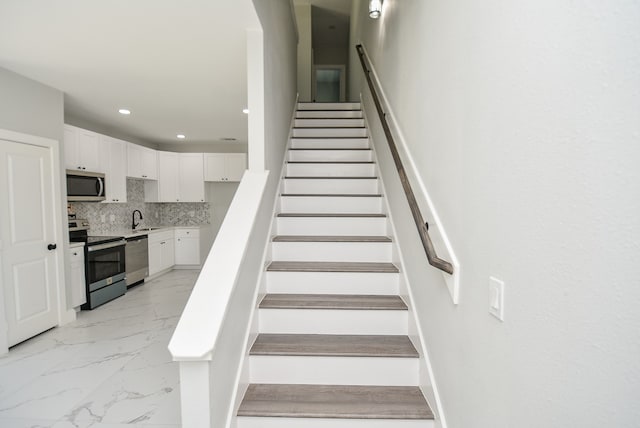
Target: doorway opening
pixel 329 84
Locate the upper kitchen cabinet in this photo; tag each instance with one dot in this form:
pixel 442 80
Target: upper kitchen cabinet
pixel 142 162
pixel 191 177
pixel 113 157
pixel 224 166
pixel 81 149
pixel 180 179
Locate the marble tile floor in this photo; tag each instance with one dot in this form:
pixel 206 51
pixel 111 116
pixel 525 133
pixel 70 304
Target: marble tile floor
pixel 108 369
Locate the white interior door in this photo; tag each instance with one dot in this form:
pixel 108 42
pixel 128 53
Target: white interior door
pixel 27 231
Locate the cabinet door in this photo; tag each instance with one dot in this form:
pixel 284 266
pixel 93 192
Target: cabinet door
pixel 71 147
pixel 214 167
pixel 168 253
pixel 168 177
pixel 113 161
pixel 134 160
pixel 149 164
pixel 191 183
pixel 236 164
pixel 88 151
pixel 78 288
pixel 187 251
pixel 155 257
pixel 118 171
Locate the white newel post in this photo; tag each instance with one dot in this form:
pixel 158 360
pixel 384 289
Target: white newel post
pixel 195 394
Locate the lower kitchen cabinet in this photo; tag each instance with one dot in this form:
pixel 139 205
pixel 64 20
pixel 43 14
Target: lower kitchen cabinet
pixel 187 246
pixel 161 251
pixel 78 288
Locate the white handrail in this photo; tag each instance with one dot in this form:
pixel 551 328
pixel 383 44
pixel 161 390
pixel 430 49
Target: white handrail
pixel 196 334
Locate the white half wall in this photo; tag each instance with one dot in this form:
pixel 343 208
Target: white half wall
pixel 523 122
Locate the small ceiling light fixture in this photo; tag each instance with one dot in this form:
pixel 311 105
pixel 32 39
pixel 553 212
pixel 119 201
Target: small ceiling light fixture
pixel 375 8
pixel 228 139
pixel 124 111
pixel 181 136
pixel 245 110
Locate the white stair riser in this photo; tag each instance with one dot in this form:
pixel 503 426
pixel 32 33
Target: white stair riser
pixel 331 204
pixel 332 321
pixel 331 186
pixel 330 155
pixel 302 114
pixel 331 170
pixel 319 123
pixel 374 226
pixel 328 106
pixel 333 283
pixel 330 143
pixel 325 143
pixel 329 132
pixel 332 251
pixel 250 422
pixel 334 370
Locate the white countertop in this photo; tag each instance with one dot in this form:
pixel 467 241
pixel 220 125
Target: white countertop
pixel 128 233
pixel 76 244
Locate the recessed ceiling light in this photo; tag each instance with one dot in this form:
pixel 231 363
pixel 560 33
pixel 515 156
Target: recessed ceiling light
pixel 245 110
pixel 228 139
pixel 181 136
pixel 124 111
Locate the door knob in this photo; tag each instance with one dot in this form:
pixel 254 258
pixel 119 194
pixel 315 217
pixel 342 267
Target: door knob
pixel 51 247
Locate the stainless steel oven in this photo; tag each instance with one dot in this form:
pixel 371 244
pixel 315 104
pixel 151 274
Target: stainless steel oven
pixel 105 270
pixel 104 264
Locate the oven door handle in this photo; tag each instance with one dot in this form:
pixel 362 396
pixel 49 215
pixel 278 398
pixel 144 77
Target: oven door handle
pixel 105 246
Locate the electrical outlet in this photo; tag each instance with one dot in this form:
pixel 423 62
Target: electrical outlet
pixel 496 298
pixel 112 218
pixel 103 218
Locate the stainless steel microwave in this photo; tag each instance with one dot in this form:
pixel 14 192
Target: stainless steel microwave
pixel 85 186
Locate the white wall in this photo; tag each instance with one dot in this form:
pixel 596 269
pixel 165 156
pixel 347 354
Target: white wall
pixel 305 53
pixel 32 108
pixel 523 120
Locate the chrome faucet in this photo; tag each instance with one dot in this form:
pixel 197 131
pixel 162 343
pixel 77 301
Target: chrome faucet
pixel 133 219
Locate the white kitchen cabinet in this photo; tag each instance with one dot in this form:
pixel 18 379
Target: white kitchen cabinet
pixel 142 162
pixel 187 246
pixel 161 251
pixel 168 177
pixel 81 149
pixel 113 158
pixel 78 288
pixel 224 166
pixel 191 177
pixel 180 179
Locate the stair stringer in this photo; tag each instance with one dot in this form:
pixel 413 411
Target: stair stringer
pixel 243 375
pixel 426 382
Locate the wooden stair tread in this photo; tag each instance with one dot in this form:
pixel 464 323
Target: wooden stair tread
pixel 332 162
pixel 329 177
pixel 329 238
pixel 333 301
pixel 327 127
pixel 329 148
pixel 340 215
pixel 335 401
pixel 339 195
pixel 285 266
pixel 334 345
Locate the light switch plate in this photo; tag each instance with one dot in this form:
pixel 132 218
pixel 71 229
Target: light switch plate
pixel 496 298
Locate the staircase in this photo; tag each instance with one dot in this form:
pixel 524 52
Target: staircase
pixel 332 349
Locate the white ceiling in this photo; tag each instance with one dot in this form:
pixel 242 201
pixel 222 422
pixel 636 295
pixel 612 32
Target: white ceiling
pixel 179 66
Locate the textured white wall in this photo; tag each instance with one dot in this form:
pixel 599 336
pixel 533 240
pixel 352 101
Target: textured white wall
pixel 305 52
pixel 523 119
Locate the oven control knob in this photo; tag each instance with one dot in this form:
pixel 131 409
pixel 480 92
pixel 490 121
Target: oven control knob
pixel 51 247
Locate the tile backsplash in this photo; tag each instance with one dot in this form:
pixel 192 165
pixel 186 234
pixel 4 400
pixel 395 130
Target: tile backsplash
pixel 104 218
